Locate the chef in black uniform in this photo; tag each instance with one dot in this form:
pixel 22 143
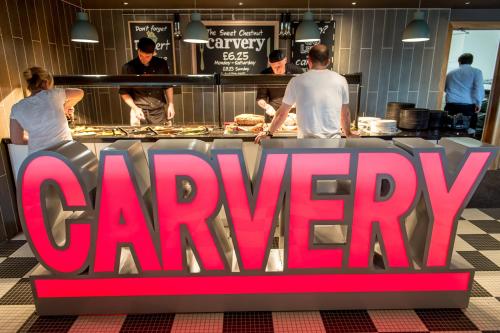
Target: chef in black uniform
pixel 148 105
pixel 270 98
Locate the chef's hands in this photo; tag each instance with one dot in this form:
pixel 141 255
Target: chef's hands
pixel 270 111
pixel 170 111
pixel 136 115
pixel 477 108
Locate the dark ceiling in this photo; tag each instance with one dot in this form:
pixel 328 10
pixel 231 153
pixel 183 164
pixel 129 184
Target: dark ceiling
pixel 93 4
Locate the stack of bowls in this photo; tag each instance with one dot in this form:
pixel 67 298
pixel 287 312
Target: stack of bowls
pixel 436 119
pixel 414 119
pixel 394 109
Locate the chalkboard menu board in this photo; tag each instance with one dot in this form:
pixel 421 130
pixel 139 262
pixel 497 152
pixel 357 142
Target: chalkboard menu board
pixel 301 49
pixel 239 47
pixel 160 32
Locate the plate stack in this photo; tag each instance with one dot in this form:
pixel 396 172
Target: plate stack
pixel 414 119
pixel 364 123
pixel 383 126
pixel 394 109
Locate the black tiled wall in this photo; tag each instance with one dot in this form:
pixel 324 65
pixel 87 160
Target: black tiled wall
pixel 367 41
pixel 32 32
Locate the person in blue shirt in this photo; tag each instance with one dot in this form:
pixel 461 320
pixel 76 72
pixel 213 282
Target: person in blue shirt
pixel 464 90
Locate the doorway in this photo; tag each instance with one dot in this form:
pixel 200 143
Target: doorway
pixel 483 45
pixel 482 39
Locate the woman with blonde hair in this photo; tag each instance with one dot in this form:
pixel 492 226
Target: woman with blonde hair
pixel 42 115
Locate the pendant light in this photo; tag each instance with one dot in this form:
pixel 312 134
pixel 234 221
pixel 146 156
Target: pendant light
pixel 82 30
pixel 308 30
pixel 196 32
pixel 418 29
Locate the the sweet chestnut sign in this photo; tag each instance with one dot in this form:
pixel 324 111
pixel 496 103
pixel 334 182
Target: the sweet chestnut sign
pixel 236 47
pixel 399 203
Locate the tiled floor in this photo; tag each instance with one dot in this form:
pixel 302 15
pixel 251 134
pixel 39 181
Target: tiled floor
pixel 478 242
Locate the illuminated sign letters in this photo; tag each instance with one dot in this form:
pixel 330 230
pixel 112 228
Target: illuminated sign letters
pixel 320 224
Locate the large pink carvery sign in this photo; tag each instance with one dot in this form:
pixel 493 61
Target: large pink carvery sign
pixel 395 206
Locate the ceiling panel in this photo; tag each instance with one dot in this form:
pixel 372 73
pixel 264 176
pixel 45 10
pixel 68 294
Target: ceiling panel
pixel 94 4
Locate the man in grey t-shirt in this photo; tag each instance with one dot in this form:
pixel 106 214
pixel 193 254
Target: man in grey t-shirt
pixel 321 97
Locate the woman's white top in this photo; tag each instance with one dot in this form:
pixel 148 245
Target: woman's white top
pixel 42 116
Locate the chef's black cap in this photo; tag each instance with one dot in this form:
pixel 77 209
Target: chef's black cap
pixel 146 45
pixel 276 55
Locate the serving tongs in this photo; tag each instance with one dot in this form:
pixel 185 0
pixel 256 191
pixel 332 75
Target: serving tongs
pixel 152 130
pixel 120 129
pixel 142 131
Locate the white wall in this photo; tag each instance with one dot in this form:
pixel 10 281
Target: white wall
pixel 483 44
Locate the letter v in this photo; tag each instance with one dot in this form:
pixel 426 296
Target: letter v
pixel 252 214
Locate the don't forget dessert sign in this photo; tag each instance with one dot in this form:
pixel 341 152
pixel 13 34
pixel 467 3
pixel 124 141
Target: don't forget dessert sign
pixel 399 203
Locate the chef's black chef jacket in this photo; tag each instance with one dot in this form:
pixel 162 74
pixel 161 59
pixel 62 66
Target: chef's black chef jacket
pixel 274 95
pixel 146 98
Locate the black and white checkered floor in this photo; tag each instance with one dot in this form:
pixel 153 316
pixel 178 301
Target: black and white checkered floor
pixel 478 242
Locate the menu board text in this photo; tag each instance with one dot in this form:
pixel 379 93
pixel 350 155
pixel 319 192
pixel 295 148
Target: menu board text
pixel 240 48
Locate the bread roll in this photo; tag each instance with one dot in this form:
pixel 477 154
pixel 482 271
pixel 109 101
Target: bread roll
pixel 246 119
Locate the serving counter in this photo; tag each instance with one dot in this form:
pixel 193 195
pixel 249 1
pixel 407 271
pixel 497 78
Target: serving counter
pixel 97 138
pixel 204 133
